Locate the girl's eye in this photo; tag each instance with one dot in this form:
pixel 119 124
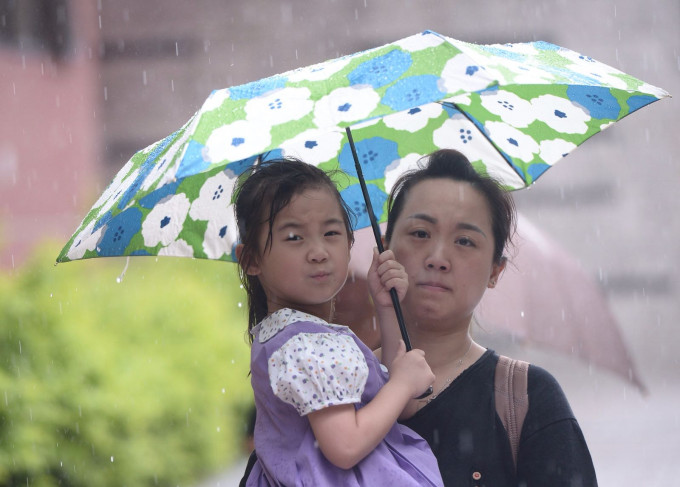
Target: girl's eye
pixel 420 234
pixel 332 233
pixel 293 237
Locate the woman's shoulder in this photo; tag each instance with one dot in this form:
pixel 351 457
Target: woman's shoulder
pixel 546 396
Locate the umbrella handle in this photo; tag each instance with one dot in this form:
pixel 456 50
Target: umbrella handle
pixel 381 248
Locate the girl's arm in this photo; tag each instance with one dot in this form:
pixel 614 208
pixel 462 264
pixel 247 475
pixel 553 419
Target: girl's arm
pixel 346 435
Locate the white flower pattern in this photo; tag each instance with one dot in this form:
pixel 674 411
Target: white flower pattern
pixel 560 114
pixel 237 140
pixel 213 205
pixel 165 221
pixel 279 106
pixel 346 104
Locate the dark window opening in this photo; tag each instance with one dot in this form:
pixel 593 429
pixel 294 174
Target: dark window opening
pixel 36 25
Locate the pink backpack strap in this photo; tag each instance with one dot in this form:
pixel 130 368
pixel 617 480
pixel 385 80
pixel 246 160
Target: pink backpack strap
pixel 512 399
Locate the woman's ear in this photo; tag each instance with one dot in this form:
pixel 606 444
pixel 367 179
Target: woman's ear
pixel 252 269
pixel 496 271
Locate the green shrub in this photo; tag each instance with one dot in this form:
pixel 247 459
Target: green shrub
pixel 142 382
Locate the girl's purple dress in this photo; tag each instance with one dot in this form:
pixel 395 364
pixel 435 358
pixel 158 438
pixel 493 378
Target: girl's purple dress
pixel 300 364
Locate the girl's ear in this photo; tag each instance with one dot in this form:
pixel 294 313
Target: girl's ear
pixel 252 269
pixel 496 272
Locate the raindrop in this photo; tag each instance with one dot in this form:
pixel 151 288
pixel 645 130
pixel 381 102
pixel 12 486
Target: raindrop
pixel 521 314
pixel 100 22
pixel 374 323
pixel 19 347
pixel 144 77
pixel 223 391
pixel 240 305
pixel 6 399
pixel 176 49
pixel 172 85
pixel 50 295
pixel 106 93
pixel 218 429
pixel 119 279
pixel 111 458
pixel 14 87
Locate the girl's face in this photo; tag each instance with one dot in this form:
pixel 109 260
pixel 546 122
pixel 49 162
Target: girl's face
pixel 444 239
pixel 306 264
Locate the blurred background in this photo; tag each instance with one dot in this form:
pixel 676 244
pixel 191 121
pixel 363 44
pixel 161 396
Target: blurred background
pixel 144 381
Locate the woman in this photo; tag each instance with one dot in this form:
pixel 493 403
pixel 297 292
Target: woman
pixel 449 226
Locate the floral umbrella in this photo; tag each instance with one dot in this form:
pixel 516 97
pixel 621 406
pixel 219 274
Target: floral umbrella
pixel 513 109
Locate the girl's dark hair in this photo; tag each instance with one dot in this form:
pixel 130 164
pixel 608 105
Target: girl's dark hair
pixel 451 164
pixel 259 195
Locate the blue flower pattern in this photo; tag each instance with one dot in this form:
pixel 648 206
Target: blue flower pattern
pixel 375 154
pixel 599 101
pixel 119 231
pixel 382 70
pixel 354 198
pixel 257 88
pixel 413 91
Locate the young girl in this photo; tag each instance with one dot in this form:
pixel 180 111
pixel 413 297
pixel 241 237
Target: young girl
pixel 326 411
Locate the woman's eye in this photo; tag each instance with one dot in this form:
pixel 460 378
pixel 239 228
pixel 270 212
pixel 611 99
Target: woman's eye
pixel 293 237
pixel 465 241
pixel 419 234
pixel 332 233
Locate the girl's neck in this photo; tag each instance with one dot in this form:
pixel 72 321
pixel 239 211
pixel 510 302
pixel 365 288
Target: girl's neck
pixel 323 311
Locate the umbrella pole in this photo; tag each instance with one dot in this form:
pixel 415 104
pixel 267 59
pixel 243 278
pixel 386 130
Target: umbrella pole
pixel 378 239
pixel 381 249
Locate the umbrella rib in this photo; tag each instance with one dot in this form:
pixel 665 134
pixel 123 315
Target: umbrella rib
pixel 500 153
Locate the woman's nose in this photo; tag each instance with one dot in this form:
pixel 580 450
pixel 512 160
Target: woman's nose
pixel 437 260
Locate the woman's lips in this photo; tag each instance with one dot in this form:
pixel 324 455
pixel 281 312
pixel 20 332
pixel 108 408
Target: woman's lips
pixel 433 286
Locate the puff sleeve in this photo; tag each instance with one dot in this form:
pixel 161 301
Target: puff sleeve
pixel 312 371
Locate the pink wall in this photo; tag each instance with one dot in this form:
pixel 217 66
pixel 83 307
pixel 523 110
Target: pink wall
pixel 49 131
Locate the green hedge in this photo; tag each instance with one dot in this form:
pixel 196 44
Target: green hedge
pixel 142 382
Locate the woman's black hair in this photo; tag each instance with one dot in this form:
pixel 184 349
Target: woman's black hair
pixel 451 164
pixel 259 195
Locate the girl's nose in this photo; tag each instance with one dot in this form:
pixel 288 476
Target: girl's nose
pixel 317 253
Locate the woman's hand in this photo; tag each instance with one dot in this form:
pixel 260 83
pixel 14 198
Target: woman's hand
pixel 384 274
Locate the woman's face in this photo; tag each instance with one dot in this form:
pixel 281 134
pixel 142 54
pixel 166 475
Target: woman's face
pixel 444 239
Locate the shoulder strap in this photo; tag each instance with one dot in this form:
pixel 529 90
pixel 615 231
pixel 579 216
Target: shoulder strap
pixel 512 399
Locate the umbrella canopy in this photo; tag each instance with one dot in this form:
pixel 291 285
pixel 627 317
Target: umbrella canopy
pixel 512 109
pixel 543 298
